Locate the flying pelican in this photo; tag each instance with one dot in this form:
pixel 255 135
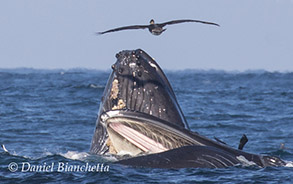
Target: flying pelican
pixel 156 29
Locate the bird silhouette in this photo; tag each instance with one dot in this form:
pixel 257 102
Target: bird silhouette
pixel 156 29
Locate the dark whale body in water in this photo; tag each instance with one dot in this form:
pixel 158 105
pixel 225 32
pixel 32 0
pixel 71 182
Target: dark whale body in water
pixel 141 123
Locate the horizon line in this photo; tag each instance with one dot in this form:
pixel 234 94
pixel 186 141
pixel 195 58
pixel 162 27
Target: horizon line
pixel 27 69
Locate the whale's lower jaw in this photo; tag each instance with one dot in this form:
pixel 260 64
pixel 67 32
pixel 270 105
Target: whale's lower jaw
pixel 137 133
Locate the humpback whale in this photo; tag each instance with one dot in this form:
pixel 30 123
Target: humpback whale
pixel 141 123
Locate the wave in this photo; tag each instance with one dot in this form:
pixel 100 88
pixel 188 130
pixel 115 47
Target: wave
pixel 70 155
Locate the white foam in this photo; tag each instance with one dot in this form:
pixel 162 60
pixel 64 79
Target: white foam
pixel 12 153
pixel 289 164
pixel 74 155
pixel 122 152
pixel 47 153
pixel 110 158
pixel 95 86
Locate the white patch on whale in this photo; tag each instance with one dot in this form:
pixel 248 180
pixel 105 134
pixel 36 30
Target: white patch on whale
pixel 153 65
pixel 244 161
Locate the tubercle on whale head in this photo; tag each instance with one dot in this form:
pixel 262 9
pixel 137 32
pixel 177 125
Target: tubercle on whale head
pixel 136 63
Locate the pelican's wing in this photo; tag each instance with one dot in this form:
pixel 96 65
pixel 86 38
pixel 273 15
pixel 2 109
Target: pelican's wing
pixel 187 20
pixel 125 27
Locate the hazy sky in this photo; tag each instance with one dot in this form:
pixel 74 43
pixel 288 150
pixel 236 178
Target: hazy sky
pixel 254 34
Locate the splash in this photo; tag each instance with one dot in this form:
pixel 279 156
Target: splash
pixel 289 164
pixel 96 86
pixel 74 155
pixel 9 152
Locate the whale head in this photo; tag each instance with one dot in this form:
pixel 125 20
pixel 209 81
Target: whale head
pixel 137 106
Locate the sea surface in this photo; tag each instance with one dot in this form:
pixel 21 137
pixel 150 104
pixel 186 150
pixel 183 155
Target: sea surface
pixel 47 120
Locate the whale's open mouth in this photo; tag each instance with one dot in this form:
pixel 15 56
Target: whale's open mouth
pixel 131 134
pixel 128 139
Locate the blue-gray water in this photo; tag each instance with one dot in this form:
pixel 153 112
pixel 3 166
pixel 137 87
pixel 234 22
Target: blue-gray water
pixel 48 117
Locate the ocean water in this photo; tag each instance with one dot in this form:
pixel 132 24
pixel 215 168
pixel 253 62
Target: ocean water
pixel 47 120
